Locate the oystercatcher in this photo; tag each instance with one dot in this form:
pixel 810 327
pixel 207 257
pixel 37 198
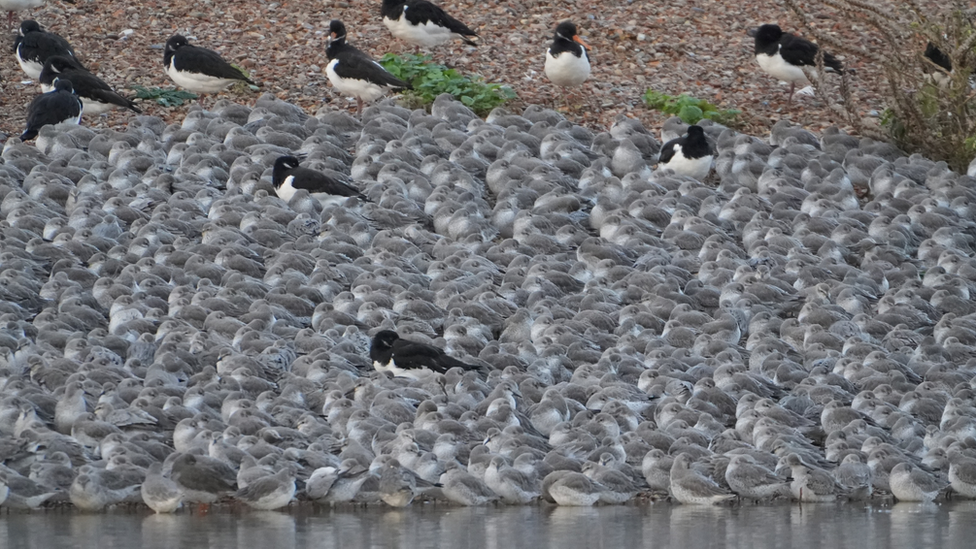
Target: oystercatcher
pixel 54 107
pixel 197 69
pixel 33 45
pixel 688 155
pixel 423 24
pixel 567 63
pixel 785 56
pixel 287 177
pixel 353 72
pixel 403 358
pixel 97 96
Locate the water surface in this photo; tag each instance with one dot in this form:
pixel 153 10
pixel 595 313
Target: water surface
pixel 659 525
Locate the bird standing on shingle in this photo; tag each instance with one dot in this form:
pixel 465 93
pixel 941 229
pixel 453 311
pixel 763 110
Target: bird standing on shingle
pixel 353 72
pixel 787 57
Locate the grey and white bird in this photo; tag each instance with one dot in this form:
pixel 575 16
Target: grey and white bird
pixel 572 489
pixel 95 490
pixel 749 479
pixel 909 483
pixel 203 479
pixel 811 484
pixel 512 485
pixel 270 492
pixel 159 492
pixel 855 476
pixel 463 488
pixel 690 487
pixel 398 486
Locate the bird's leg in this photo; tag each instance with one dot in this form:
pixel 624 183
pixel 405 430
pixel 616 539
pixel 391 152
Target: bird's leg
pixel 359 106
pixel 790 99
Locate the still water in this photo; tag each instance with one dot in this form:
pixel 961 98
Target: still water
pixel 658 525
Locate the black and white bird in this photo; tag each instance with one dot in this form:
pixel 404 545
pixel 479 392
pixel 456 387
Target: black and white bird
pixel 787 57
pixel 937 56
pixel 353 72
pixel 403 358
pixel 197 69
pixel 423 24
pixel 940 60
pixel 688 155
pixel 54 107
pixel 567 63
pixel 97 96
pixel 288 177
pixel 34 45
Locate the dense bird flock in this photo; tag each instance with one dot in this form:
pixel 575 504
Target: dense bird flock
pixel 508 310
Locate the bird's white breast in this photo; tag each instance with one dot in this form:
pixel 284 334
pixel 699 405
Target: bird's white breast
pixel 697 168
pixel 566 69
pixel 285 191
pixel 420 373
pixel 778 68
pixel 425 34
pixel 196 82
pixel 32 68
pixel 363 89
pixel 93 107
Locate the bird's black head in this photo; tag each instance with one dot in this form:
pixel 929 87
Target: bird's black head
pixel 567 31
pixel 383 340
pixel 766 34
pixel 60 84
pixel 337 38
pixel 174 43
pixel 282 165
pixel 695 131
pixel 29 26
pixel 337 30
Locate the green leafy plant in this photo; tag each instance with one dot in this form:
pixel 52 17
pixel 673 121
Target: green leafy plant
pixel 430 79
pixel 166 98
pixel 689 109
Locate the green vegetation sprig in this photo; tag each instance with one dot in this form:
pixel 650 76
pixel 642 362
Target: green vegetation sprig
pixel 165 97
pixel 689 109
pixel 431 79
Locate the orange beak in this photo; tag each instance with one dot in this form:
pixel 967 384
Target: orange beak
pixel 579 40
